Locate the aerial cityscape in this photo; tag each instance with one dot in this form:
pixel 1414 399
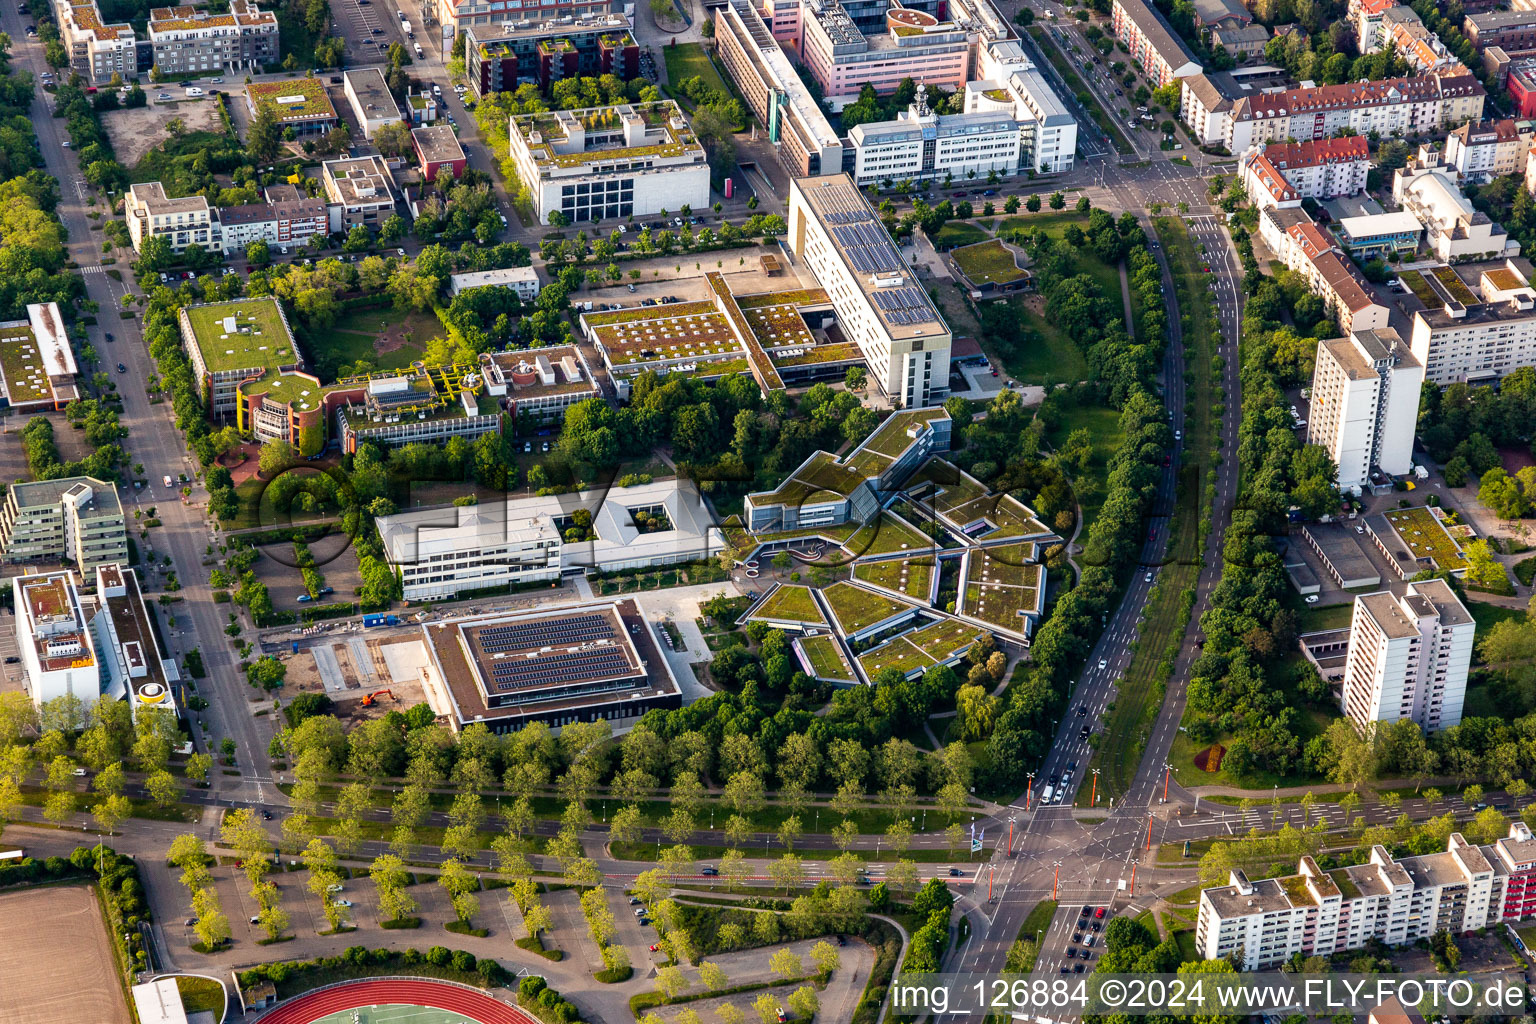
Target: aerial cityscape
pixel 725 511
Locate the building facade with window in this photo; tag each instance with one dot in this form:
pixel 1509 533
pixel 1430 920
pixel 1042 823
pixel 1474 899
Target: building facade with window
pixel 1408 657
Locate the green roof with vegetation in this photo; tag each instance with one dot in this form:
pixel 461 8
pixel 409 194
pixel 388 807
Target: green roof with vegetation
pixel 790 603
pixel 857 608
pixel 1426 537
pixel 910 576
pixel 1347 887
pixel 1001 591
pixel 989 262
pixel 26 380
pixel 260 339
pixel 826 658
pixel 887 534
pixel 964 501
pixel 315 103
pixel 920 649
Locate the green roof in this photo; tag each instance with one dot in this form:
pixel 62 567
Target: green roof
pixel 26 380
pixel 260 339
pixel 890 438
pixel 857 609
pixel 910 576
pixel 887 534
pixel 922 648
pixel 826 658
pixel 311 92
pixel 790 604
pixel 1347 887
pixel 1427 537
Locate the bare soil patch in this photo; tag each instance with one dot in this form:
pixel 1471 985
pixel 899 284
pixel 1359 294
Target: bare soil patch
pixel 136 132
pixel 56 960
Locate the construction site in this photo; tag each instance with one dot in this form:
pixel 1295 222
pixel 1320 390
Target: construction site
pixel 366 676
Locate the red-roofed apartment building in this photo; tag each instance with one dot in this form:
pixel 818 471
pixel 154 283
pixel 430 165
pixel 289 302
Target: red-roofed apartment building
pixel 1285 173
pixel 1489 149
pixel 1306 249
pixel 1392 106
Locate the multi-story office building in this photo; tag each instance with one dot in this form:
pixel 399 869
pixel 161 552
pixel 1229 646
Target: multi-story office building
pixel 608 163
pixel 1408 657
pixel 1390 107
pixel 1453 229
pixel 358 190
pixel 1396 902
pixel 1365 404
pixel 298 103
pixel 911 44
pixel 881 307
pixel 74 519
pixel 1306 249
pixel 1152 42
pixel 1047 130
pixel 458 15
pixel 425 405
pixel 805 143
pixel 372 103
pixel 557 664
pixel 53 638
pixel 182 222
pixel 828 490
pixel 1489 149
pixel 37 364
pixel 446 551
pixel 188 40
pixel 1481 326
pixel 1285 173
pixel 502 56
pixel 232 342
pixel 1512 31
pixel 921 145
pixel 97 51
pixel 133 667
pixel 437 150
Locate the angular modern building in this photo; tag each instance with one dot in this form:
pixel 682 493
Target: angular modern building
pixel 1408 657
pixel 358 190
pixel 882 307
pixel 609 163
pixel 1480 325
pixel 1365 404
pixel 73 519
pixel 53 638
pixel 909 44
pixel 500 57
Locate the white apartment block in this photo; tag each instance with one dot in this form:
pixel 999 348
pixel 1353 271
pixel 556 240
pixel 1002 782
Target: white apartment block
pixel 1365 16
pixel 1397 902
pixel 190 39
pixel 53 638
pixel 1453 228
pixel 1205 104
pixel 1153 43
pixel 1479 341
pixel 358 190
pixel 608 163
pixel 881 306
pixel 1489 149
pixel 372 103
pixel 1408 657
pixel 182 222
pixel 1365 404
pixel 1285 173
pixel 97 51
pixel 1391 107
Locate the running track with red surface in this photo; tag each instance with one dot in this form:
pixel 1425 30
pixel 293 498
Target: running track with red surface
pixel 435 994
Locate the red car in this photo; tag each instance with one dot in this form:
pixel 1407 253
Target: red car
pixel 655 947
pixel 994 371
pixel 1098 912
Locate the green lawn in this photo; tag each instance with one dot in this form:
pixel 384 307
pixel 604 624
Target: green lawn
pixel 1316 617
pixel 1051 358
pixel 1489 615
pixel 353 336
pixel 688 59
pixel 1054 224
pixel 956 233
pixel 1104 424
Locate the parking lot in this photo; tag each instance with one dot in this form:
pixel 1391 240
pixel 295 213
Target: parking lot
pixel 369 27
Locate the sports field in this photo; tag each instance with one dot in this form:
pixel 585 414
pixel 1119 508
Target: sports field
pixel 55 961
pixel 394 1014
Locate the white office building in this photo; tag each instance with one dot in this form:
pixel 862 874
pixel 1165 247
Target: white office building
pixel 1365 404
pixel 443 552
pixel 523 281
pixel 1489 149
pixel 1408 657
pixel 610 163
pixel 182 222
pixel 1480 340
pixel 1453 228
pixel 371 101
pixel 57 652
pixel 922 146
pixel 881 306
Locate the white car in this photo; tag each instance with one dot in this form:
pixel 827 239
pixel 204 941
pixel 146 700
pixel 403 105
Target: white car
pixel 342 903
pixel 1103 664
pixel 1311 599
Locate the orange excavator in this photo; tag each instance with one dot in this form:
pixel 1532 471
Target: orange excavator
pixel 373 697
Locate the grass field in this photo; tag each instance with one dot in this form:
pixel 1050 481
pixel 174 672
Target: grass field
pixel 353 336
pixel 1055 359
pixel 688 59
pixel 1166 615
pixel 1104 425
pixel 957 233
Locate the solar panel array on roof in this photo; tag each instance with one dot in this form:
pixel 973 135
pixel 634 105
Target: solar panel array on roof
pixel 565 632
pixel 581 666
pixel 868 247
pixel 905 305
pixel 842 205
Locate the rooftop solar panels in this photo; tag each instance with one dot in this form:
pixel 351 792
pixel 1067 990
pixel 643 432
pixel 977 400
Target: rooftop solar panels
pixel 540 672
pixel 906 305
pixel 867 247
pixel 563 633
pixel 841 204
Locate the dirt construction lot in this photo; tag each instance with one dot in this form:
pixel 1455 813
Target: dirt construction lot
pixel 135 132
pixel 55 959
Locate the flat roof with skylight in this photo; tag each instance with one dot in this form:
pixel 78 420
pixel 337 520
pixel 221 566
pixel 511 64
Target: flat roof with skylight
pixel 241 334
